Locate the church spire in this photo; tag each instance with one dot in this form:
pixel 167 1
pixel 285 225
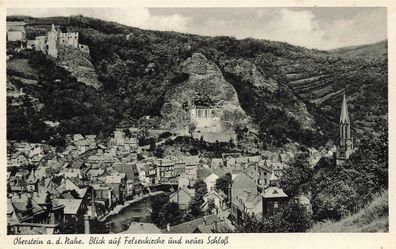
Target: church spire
pixel 53 28
pixel 344 118
pixel 346 142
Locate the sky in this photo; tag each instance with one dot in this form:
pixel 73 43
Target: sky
pixel 312 27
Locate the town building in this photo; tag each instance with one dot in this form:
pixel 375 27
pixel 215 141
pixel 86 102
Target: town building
pixel 273 198
pixel 16 31
pixel 182 197
pixel 245 199
pixel 212 178
pixel 166 171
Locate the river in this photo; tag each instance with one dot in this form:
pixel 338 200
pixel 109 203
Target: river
pixel 139 211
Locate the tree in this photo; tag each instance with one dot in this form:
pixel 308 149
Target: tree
pixel 341 190
pixel 292 217
pixel 157 202
pixel 224 182
pixel 200 189
pixel 159 152
pixel 195 206
pixel 211 205
pixel 139 157
pixel 165 212
pixel 196 203
pixel 298 174
pixel 152 145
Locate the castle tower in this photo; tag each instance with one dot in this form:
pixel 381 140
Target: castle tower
pixel 52 42
pixel 346 144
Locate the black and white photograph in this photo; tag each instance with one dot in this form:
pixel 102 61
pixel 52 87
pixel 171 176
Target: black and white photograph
pixel 182 120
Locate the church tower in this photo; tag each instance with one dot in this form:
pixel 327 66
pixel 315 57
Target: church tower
pixel 345 147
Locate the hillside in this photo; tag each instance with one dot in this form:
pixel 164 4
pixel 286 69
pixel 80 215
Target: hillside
pixel 289 93
pixel 375 50
pixel 374 217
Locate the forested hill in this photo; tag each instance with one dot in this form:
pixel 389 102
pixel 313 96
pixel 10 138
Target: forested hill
pixel 291 93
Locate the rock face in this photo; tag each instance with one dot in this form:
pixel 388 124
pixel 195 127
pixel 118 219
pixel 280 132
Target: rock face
pixel 206 83
pixel 249 72
pixel 79 65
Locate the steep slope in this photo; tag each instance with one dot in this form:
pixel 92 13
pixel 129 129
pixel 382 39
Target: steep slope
pixel 291 93
pixel 360 72
pixel 205 83
pixel 80 66
pixel 372 218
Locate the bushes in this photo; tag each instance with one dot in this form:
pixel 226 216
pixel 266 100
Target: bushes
pixel 297 176
pixel 341 190
pixel 293 217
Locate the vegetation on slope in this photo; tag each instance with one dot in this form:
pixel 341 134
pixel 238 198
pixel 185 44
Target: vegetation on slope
pixel 136 67
pixel 372 218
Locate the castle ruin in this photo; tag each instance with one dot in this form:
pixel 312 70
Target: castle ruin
pixel 56 39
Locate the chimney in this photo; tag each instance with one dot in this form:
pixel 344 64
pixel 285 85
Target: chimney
pixel 215 227
pixel 256 172
pixel 52 217
pixel 109 197
pixel 168 228
pixel 86 225
pixel 229 196
pixel 204 221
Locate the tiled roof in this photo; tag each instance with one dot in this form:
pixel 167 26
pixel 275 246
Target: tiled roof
pixel 138 227
pixel 71 205
pixel 202 173
pixel 77 137
pixel 273 192
pixel 190 226
pixel 183 198
pixel 219 172
pixel 221 227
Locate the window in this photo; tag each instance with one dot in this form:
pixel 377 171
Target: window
pixel 276 205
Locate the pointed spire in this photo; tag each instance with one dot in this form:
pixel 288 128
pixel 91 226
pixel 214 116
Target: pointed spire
pixel 344 118
pixel 53 28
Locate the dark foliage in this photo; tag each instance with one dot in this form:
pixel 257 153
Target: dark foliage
pixel 293 217
pixel 338 191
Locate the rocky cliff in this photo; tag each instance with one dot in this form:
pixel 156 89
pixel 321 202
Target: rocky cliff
pixel 79 64
pixel 269 90
pixel 205 83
